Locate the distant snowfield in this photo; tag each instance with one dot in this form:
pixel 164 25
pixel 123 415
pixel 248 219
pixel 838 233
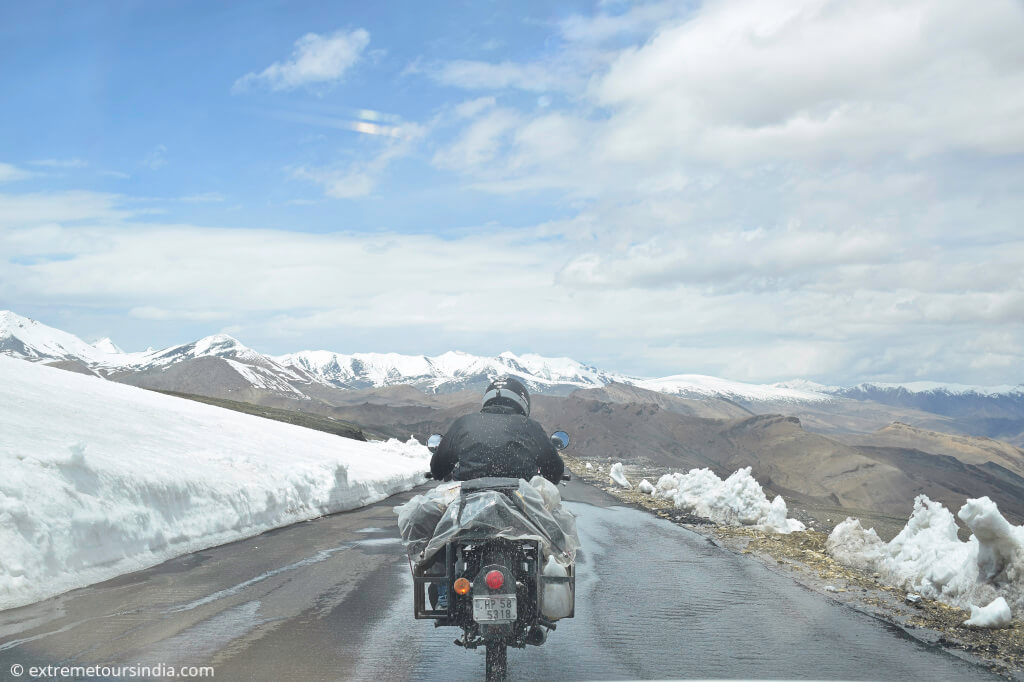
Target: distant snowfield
pixel 951 389
pixel 100 479
pixel 699 385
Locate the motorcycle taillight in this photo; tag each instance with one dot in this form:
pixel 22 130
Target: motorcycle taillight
pixel 494 580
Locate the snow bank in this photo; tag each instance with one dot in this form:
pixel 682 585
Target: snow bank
pixel 737 501
pixel 646 487
pixel 618 477
pixel 928 557
pixel 101 479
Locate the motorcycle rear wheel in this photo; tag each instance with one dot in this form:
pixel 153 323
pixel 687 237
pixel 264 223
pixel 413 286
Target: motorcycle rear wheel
pixel 497 661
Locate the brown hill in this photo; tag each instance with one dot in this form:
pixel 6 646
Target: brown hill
pixel 806 468
pixel 968 449
pixel 710 408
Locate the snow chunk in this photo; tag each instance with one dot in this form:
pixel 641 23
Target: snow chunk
pixel 737 501
pixel 852 545
pixel 928 557
pixel 646 487
pixel 101 479
pixel 998 541
pixel 589 465
pixel 618 477
pixel 995 615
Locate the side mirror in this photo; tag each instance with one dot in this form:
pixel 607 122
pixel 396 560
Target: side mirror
pixel 560 439
pixel 434 442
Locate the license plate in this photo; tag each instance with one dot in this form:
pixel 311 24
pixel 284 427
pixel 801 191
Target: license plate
pixel 498 608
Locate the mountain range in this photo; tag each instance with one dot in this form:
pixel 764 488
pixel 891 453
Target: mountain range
pixel 300 372
pixel 868 447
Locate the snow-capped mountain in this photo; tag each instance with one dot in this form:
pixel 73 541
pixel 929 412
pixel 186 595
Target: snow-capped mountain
pixel 222 365
pixel 450 371
pixel 106 345
pixel 239 366
pixel 255 369
pixel 32 340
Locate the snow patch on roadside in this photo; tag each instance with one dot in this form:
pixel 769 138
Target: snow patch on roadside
pixel 927 557
pixel 995 615
pixel 618 477
pixel 101 479
pixel 737 501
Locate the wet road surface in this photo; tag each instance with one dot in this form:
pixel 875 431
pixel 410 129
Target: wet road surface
pixel 331 599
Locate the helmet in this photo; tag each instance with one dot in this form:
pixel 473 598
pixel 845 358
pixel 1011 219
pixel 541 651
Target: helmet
pixel 510 392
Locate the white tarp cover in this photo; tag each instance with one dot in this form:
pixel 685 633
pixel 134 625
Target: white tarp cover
pixel 430 521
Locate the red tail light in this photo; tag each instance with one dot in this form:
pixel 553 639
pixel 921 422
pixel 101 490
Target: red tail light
pixel 494 580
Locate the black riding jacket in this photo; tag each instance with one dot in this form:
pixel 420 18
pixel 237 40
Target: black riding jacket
pixel 497 441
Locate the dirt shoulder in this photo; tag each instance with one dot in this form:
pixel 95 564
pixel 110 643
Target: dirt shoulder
pixel 802 556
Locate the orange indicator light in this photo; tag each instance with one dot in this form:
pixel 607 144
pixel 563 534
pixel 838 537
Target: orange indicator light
pixel 462 586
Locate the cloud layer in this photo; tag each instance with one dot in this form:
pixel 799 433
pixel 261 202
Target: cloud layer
pixel 315 60
pixel 760 190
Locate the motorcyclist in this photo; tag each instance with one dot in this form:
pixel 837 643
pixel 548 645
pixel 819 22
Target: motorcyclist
pixel 499 440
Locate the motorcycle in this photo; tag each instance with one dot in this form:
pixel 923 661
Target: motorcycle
pixel 495 584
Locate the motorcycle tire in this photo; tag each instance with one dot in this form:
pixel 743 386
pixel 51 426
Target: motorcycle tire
pixel 497 661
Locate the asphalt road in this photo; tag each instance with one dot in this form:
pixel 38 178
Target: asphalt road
pixel 331 599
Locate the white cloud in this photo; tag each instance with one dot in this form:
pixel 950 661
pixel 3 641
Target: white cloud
pixel 204 198
pixel 814 323
pixel 480 142
pixel 60 163
pixel 9 173
pixel 162 314
pixel 157 158
pixel 315 60
pixel 339 184
pixel 815 187
pixel 637 21
pixel 783 79
pixel 779 81
pixel 477 75
pixel 473 107
pixel 359 178
pixel 366 127
pixel 41 208
pixel 755 190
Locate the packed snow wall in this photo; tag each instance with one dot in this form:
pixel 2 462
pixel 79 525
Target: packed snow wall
pixel 101 479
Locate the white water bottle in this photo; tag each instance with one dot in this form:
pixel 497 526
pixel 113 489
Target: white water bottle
pixel 556 597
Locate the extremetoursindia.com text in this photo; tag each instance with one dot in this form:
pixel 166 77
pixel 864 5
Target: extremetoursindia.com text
pixel 79 672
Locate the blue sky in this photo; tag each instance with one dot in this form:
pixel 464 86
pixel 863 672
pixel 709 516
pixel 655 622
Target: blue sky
pixel 757 190
pixel 145 90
